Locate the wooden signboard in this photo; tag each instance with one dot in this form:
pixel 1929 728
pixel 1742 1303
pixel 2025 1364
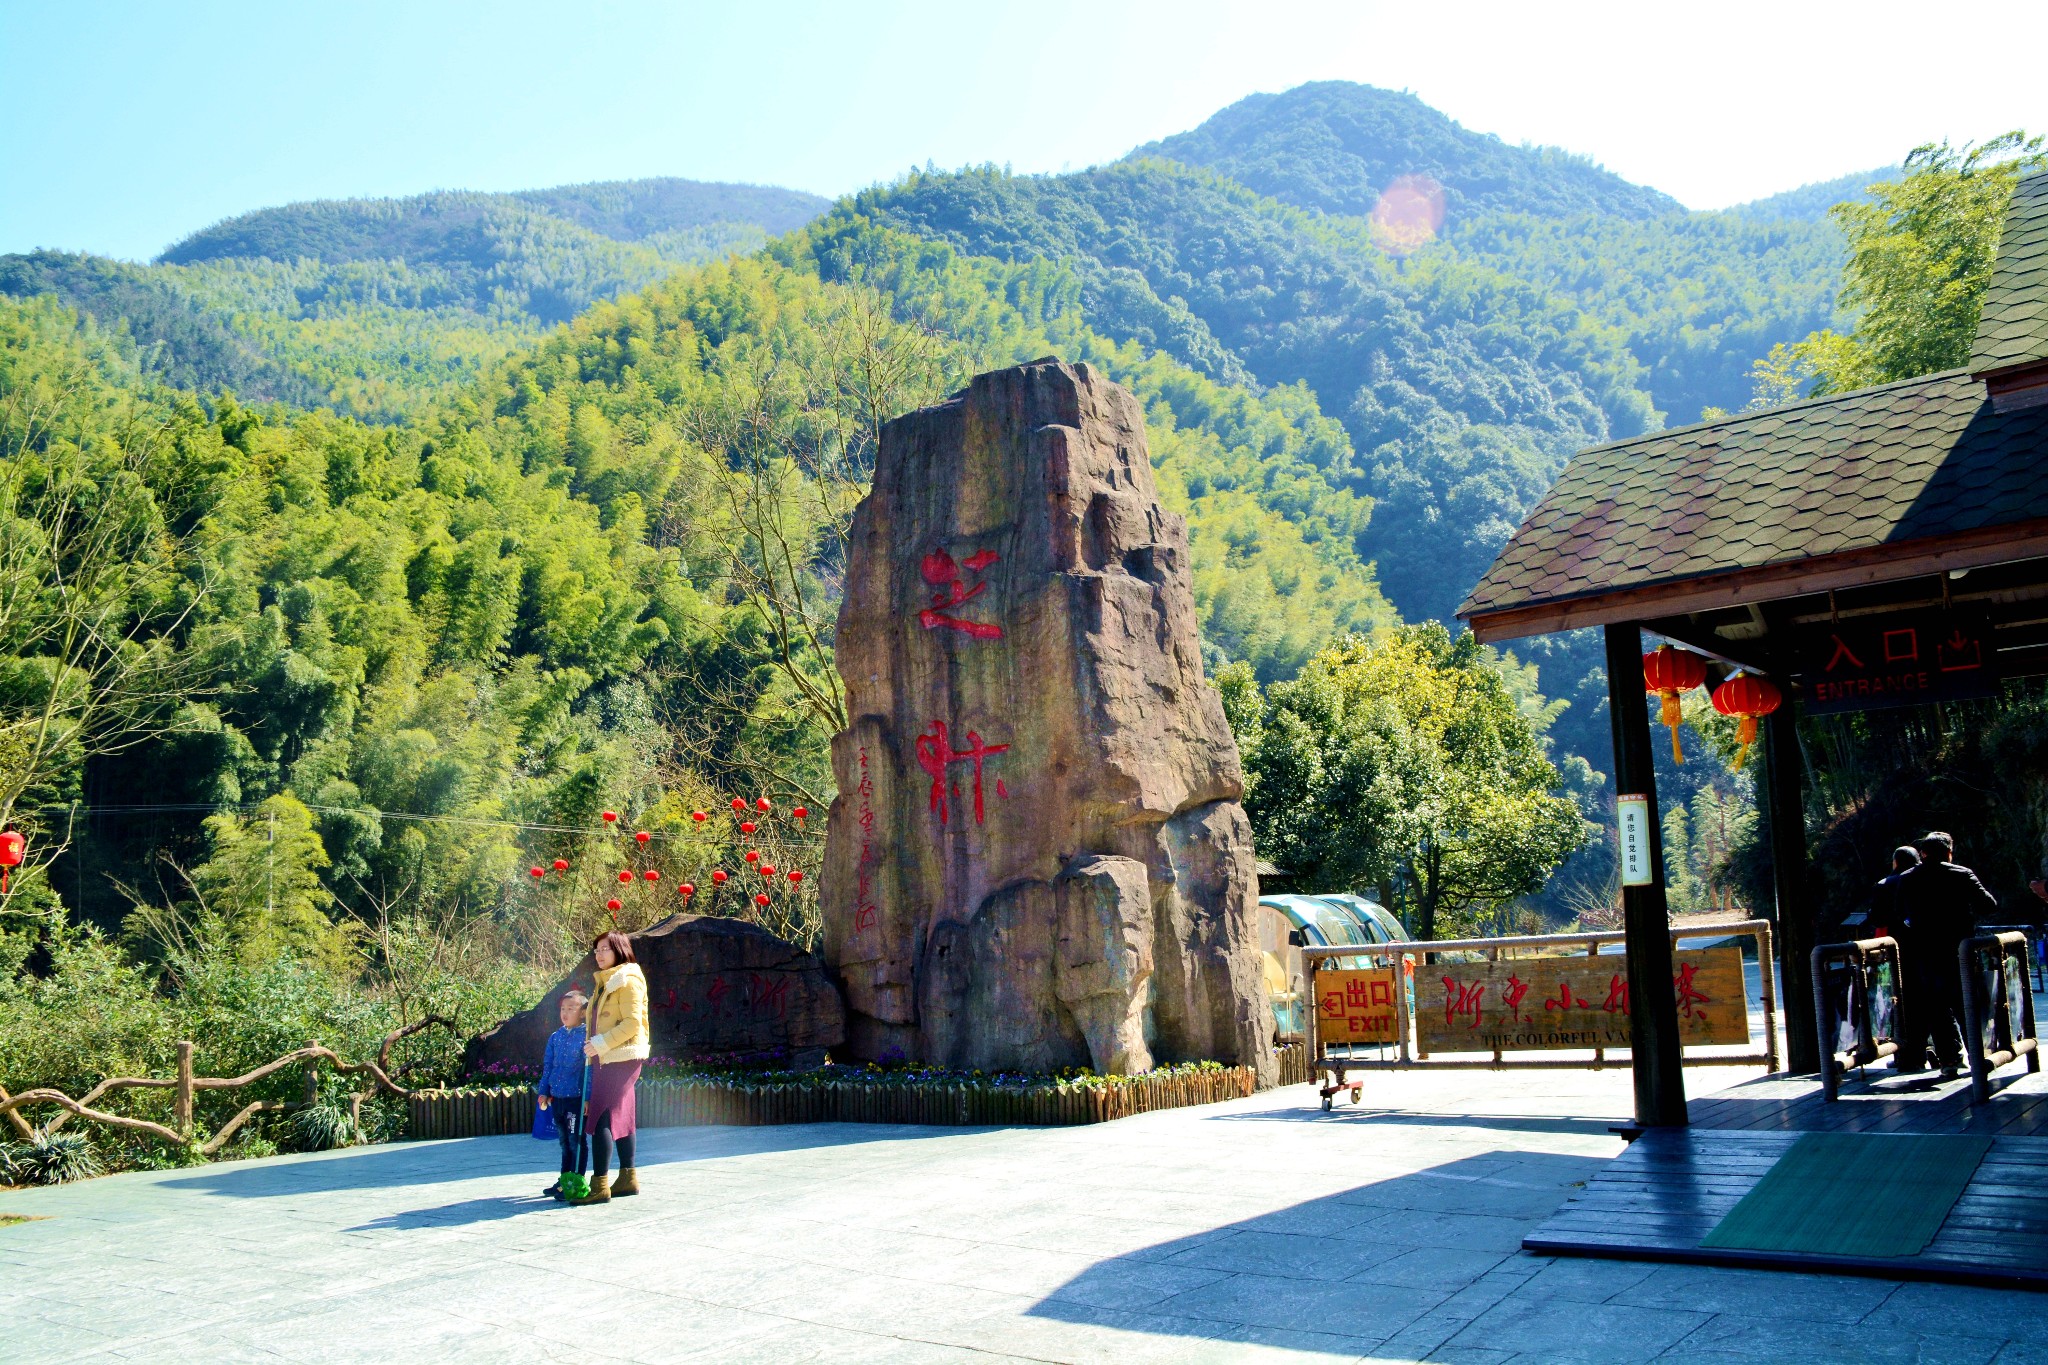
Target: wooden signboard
pixel 1571 1002
pixel 1357 1007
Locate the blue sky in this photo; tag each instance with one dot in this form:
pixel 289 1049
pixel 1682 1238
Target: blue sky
pixel 128 125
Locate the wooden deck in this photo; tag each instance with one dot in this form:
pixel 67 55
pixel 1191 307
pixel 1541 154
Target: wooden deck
pixel 1661 1197
pixel 1879 1102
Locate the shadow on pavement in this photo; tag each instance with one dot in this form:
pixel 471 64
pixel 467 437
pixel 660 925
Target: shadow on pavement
pixel 391 1165
pixel 1434 1118
pixel 458 1214
pixel 1333 1275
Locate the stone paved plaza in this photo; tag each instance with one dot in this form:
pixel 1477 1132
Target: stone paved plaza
pixel 1262 1229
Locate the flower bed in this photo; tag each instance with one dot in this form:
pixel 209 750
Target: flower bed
pixel 677 1095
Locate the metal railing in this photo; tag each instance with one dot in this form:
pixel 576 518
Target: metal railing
pixel 1855 1006
pixel 1404 956
pixel 1998 1006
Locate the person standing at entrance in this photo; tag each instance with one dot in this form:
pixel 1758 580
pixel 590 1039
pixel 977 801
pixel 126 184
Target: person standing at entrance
pixel 1887 911
pixel 1940 903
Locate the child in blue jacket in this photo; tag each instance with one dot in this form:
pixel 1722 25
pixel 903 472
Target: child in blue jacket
pixel 561 1080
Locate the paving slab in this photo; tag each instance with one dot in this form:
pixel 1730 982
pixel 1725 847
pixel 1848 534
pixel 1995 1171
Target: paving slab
pixel 1256 1230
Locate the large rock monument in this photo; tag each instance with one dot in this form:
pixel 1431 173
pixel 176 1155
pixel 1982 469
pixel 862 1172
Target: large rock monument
pixel 1037 858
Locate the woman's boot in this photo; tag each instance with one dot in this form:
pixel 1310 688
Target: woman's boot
pixel 600 1192
pixel 628 1183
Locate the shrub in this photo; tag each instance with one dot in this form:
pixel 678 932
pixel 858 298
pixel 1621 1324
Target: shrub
pixel 52 1159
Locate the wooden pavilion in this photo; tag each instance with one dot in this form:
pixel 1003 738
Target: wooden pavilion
pixel 1881 547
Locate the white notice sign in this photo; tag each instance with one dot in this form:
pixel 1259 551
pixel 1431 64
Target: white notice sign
pixel 1636 867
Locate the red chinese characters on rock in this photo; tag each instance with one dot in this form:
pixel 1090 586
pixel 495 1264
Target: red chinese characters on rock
pixel 942 572
pixel 935 753
pixel 864 916
pixel 768 997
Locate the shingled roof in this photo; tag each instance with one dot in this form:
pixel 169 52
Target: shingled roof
pixel 2012 329
pixel 1858 485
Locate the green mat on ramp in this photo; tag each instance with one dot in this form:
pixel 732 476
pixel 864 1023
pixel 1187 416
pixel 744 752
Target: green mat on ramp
pixel 1871 1195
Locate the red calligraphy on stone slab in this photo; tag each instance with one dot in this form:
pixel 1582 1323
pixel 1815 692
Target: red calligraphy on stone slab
pixel 935 752
pixel 863 900
pixel 943 573
pixel 715 992
pixel 768 997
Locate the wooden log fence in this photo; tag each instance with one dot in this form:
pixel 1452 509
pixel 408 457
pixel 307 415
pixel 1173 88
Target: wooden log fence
pixel 184 1088
pixel 696 1101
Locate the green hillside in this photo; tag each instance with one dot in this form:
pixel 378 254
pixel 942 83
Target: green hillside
pixel 1333 146
pixel 378 307
pixel 1558 306
pixel 459 228
pixel 1810 203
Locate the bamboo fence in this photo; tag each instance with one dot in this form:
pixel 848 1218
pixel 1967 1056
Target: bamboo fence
pixel 693 1101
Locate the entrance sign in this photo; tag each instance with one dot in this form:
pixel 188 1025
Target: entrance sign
pixel 1899 659
pixel 1637 867
pixel 1356 1007
pixel 1571 1002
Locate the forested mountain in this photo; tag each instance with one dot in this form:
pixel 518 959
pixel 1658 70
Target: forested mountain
pixel 376 307
pixel 525 602
pixel 1409 399
pixel 1463 390
pixel 1810 203
pixel 1334 146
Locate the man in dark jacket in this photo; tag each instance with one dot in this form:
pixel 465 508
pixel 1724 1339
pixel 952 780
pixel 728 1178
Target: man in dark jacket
pixel 1940 903
pixel 1887 908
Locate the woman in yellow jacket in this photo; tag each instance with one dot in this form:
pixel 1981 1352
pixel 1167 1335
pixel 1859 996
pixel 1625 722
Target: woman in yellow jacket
pixel 618 1046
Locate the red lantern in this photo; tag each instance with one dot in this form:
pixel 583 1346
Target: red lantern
pixel 537 872
pixel 686 890
pixel 651 875
pixel 800 813
pixel 610 816
pixel 766 870
pixel 746 826
pixel 795 876
pixel 1667 672
pixel 625 876
pixel 739 803
pixel 1748 696
pixel 718 878
pixel 614 906
pixel 762 803
pixel 761 899
pixel 752 856
pixel 642 837
pixel 699 816
pixel 561 864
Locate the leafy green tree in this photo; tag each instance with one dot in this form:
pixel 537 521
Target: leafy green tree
pixel 1920 254
pixel 1404 763
pixel 262 885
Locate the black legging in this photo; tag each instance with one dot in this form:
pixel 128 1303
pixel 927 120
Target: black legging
pixel 601 1149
